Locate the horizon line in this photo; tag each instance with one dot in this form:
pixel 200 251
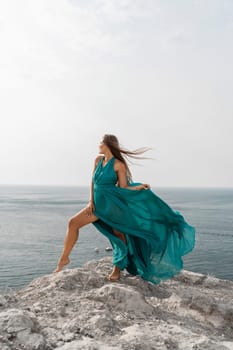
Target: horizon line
pixel 72 185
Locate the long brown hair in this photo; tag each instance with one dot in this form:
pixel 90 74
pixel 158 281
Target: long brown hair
pixel 112 142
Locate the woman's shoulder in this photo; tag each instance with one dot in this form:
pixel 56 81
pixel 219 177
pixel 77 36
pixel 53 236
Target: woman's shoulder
pixel 119 165
pixel 98 158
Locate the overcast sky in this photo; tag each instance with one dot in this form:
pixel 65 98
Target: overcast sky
pixel 154 73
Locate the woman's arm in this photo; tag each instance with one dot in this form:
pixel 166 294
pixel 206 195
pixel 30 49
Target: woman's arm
pixel 91 197
pixel 90 206
pixel 122 180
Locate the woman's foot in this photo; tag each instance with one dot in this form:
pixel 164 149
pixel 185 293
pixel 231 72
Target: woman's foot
pixel 115 275
pixel 61 263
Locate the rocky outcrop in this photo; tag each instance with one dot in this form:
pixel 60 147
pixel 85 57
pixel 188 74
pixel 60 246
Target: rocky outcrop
pixel 79 309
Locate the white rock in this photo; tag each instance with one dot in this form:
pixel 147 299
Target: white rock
pixel 79 309
pixel 32 341
pixel 3 300
pixel 15 320
pixel 122 298
pixel 23 326
pixel 87 344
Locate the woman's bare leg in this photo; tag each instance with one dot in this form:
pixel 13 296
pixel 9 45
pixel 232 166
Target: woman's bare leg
pixel 115 274
pixel 120 235
pixel 74 224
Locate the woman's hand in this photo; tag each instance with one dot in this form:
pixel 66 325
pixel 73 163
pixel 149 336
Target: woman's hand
pixel 143 187
pixel 90 207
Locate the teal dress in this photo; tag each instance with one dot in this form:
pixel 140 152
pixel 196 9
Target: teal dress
pixel 157 236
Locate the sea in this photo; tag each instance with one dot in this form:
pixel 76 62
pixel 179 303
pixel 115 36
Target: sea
pixel 33 224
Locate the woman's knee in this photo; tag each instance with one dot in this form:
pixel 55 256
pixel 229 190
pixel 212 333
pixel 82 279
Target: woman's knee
pixel 73 222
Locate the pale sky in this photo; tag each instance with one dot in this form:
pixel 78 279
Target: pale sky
pixel 156 74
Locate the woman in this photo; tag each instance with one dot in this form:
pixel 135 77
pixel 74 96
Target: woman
pixel 148 237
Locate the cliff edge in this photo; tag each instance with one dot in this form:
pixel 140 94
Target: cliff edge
pixel 79 309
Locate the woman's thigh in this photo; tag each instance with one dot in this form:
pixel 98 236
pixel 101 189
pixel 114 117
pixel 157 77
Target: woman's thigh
pixel 81 218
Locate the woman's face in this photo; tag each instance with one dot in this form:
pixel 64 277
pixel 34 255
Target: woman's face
pixel 102 146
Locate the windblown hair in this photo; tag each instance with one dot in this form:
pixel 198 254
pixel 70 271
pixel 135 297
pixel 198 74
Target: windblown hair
pixel 117 150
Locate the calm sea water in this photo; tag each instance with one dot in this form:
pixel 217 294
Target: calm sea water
pixel 33 222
